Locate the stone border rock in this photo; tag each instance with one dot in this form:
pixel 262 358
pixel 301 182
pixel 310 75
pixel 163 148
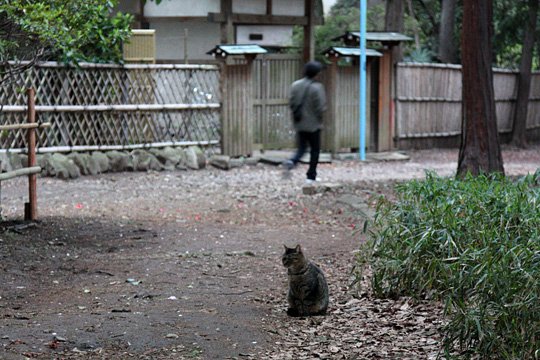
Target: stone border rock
pixel 76 164
pixel 73 165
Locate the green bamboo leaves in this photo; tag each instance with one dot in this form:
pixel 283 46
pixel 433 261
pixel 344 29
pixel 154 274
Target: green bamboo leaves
pixel 473 244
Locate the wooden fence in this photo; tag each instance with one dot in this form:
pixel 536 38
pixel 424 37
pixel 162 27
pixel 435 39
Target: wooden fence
pixel 341 120
pixel 103 107
pixel 116 107
pixel 237 111
pixel 428 104
pixel 272 78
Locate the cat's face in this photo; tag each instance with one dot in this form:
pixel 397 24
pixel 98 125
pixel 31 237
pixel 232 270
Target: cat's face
pixel 292 256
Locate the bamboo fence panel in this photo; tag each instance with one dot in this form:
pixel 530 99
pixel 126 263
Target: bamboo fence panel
pixel 273 75
pixel 533 117
pixel 505 87
pixel 111 106
pixel 428 100
pixel 347 109
pixel 237 112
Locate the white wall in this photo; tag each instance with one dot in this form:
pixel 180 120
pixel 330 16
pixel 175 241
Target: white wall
pixel 181 8
pixel 272 35
pixel 202 37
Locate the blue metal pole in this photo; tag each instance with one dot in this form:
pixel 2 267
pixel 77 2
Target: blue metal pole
pixel 363 19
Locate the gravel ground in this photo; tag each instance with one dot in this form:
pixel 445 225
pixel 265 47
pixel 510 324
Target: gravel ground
pixel 174 265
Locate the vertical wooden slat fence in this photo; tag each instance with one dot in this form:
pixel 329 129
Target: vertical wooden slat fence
pixel 533 117
pixel 237 109
pixel 505 85
pixel 428 103
pixel 347 108
pixel 273 75
pixel 100 107
pixel 342 117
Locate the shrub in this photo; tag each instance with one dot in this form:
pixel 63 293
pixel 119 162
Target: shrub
pixel 473 244
pixel 68 31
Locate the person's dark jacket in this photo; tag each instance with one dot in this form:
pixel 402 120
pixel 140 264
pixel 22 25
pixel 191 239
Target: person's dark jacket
pixel 314 104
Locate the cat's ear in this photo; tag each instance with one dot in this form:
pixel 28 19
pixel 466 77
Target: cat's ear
pixel 298 249
pixel 285 246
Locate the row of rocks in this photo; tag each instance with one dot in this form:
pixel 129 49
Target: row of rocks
pixel 75 164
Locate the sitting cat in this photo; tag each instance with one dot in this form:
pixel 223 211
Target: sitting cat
pixel 308 290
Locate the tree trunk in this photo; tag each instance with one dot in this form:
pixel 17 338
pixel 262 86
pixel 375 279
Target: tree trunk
pixel 394 22
pixel 447 49
pixel 480 150
pixel 519 128
pixel 415 28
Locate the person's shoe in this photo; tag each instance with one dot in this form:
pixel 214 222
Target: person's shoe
pixel 311 181
pixel 288 165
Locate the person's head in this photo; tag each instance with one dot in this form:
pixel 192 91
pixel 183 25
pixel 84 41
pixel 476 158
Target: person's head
pixel 312 68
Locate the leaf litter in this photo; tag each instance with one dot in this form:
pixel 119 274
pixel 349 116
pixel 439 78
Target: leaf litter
pixel 208 235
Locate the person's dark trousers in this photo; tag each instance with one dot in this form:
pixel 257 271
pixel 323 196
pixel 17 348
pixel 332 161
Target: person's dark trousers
pixel 313 139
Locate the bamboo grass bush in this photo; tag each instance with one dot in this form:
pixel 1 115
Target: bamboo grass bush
pixel 473 244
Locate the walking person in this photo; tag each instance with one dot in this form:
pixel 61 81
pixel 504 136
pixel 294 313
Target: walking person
pixel 308 103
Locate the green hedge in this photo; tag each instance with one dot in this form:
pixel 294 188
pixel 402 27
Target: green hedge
pixel 473 244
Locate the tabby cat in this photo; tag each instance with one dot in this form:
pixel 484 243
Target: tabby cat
pixel 308 291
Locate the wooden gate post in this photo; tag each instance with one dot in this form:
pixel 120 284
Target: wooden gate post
pixel 30 208
pixel 386 103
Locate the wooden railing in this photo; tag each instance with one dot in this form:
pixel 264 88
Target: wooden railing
pixel 30 208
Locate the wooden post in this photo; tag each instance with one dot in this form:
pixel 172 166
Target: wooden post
pixel 186 61
pixel 330 126
pixel 30 208
pixel 269 7
pixel 141 14
pixel 386 122
pixel 264 101
pixel 227 27
pixel 309 32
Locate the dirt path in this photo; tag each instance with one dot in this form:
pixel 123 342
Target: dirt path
pixel 179 265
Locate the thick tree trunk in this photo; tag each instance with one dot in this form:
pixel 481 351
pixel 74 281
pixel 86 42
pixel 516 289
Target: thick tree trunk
pixel 394 22
pixel 447 48
pixel 519 127
pixel 480 150
pixel 393 19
